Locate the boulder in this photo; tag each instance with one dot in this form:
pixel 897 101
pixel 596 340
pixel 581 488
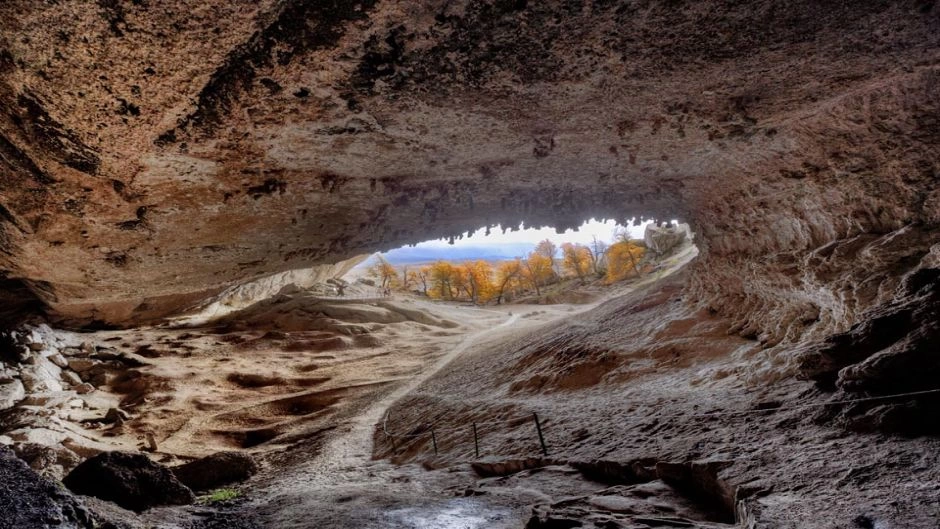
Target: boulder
pixel 661 240
pixel 216 470
pixel 71 378
pixel 10 393
pixel 59 360
pixel 29 500
pixel 84 388
pixel 130 480
pixel 80 365
pixel 42 375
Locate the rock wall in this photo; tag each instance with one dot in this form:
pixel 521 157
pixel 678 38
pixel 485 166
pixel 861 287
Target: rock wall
pixel 155 155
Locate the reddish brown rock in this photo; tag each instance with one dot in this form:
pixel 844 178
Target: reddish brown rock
pixel 218 142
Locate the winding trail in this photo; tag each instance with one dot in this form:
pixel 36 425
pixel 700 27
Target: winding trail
pixel 341 486
pixel 356 446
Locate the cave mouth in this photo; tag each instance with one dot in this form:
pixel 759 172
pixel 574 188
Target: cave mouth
pixel 507 263
pixel 506 242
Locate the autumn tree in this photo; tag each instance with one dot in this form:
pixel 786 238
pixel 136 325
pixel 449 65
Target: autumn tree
pixel 623 257
pixel 508 275
pixel 423 277
pixel 548 250
pixel 537 270
pixel 384 272
pixel 407 279
pixel 598 254
pixel 576 259
pixel 441 276
pixel 479 280
pixel 460 282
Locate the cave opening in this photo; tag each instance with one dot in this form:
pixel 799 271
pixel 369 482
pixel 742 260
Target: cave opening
pixel 227 164
pixel 497 264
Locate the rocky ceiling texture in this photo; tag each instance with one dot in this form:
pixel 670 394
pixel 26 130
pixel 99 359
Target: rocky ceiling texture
pixel 153 153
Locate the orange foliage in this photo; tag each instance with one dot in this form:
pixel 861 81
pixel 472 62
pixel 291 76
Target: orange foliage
pixel 623 259
pixel 537 270
pixel 577 260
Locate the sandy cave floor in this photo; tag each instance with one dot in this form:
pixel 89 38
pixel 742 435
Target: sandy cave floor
pixel 305 403
pixel 625 408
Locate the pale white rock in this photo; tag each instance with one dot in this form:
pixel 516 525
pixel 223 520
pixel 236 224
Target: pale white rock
pixel 42 376
pixel 71 378
pixel 10 393
pixel 661 240
pixel 59 360
pixel 43 436
pixel 49 399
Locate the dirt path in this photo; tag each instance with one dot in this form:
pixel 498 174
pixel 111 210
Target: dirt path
pixel 341 486
pixel 355 447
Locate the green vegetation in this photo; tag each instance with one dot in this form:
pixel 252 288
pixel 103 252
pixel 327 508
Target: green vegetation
pixel 219 495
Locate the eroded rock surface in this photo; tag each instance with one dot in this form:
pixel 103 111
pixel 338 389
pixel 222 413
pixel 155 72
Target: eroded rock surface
pixel 161 157
pixel 28 500
pixel 156 155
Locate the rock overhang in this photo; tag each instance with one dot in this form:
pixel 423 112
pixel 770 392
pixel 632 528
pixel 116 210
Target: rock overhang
pixel 141 181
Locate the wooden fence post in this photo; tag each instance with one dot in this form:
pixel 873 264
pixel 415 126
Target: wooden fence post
pixel 476 441
pixel 434 441
pixel 538 428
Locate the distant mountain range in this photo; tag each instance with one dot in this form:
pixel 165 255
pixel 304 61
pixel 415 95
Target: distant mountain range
pixel 418 254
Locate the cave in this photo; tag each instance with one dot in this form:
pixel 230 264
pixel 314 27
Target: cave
pixel 183 185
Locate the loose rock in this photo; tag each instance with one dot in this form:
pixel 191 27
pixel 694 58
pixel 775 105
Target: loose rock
pixel 71 378
pixel 216 470
pixel 80 365
pixel 84 388
pixel 10 393
pixel 132 481
pixel 27 500
pixel 58 360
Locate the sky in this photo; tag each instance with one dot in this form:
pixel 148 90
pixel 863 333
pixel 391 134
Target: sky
pixel 500 246
pixel 603 230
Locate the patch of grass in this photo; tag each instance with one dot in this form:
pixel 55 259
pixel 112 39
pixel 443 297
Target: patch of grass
pixel 219 495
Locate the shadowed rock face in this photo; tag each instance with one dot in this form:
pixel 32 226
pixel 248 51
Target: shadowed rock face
pixel 129 480
pixel 29 500
pixel 155 154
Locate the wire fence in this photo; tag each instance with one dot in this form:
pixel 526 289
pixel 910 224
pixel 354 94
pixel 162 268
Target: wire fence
pixel 431 432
